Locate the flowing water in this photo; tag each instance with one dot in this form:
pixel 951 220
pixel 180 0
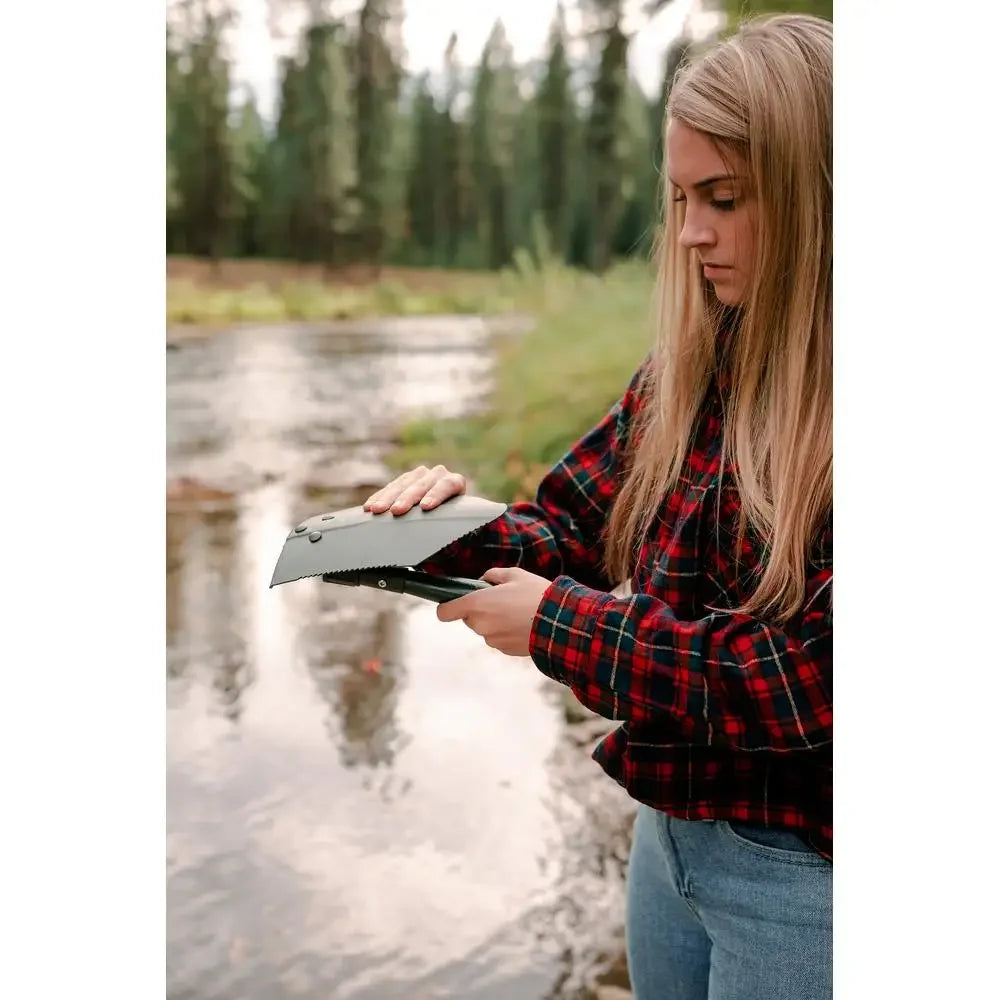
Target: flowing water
pixel 362 802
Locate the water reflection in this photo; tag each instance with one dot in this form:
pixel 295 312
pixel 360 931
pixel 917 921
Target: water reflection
pixel 354 659
pixel 205 621
pixel 362 802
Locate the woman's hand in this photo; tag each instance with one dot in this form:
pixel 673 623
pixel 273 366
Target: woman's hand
pixel 502 614
pixel 428 487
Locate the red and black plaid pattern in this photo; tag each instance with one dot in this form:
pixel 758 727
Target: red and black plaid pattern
pixel 724 715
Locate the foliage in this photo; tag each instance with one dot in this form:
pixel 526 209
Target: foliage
pixel 362 164
pixel 550 383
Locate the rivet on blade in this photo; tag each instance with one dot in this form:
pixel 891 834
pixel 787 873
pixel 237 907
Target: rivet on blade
pixel 315 536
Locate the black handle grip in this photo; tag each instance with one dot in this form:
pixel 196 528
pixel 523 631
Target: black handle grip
pixel 441 589
pixel 398 580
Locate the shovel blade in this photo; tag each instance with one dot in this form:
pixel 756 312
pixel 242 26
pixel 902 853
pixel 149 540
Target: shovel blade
pixel 354 538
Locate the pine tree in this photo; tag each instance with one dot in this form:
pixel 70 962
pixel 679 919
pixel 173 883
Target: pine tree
pixel 330 158
pixel 363 161
pixel 605 139
pixel 637 222
pixel 250 150
pixel 496 104
pixel 173 81
pixel 456 172
pixel 424 193
pixel 525 182
pixel 555 121
pixel 203 158
pixel 376 93
pixel 287 211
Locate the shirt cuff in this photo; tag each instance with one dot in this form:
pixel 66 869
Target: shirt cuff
pixel 562 632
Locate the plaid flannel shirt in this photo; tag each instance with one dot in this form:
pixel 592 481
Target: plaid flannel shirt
pixel 724 716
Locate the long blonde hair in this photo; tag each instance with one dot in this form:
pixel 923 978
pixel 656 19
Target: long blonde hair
pixel 765 95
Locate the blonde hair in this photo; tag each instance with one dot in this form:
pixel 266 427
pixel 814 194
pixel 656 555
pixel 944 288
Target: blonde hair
pixel 764 95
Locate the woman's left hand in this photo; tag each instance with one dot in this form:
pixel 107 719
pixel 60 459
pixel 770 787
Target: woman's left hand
pixel 502 614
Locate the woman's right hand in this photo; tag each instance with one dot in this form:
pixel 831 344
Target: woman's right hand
pixel 428 487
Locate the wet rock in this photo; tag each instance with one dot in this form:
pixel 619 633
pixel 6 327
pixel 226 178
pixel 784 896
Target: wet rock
pixel 187 489
pixel 335 485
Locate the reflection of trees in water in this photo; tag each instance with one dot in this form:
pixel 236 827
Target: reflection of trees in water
pixel 205 604
pixel 354 658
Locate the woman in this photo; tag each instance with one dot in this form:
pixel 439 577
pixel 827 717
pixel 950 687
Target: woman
pixel 708 486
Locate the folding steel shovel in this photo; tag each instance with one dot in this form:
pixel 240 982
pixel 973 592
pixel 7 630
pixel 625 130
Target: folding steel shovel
pixel 356 548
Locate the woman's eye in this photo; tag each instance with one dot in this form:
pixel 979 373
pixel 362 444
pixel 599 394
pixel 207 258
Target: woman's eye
pixel 724 204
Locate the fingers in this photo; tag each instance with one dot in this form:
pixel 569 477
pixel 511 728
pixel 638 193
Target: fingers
pixel 500 574
pixel 450 484
pixel 454 610
pixel 384 498
pixel 486 626
pixel 428 487
pixel 414 491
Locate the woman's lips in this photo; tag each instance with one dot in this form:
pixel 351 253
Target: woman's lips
pixel 715 270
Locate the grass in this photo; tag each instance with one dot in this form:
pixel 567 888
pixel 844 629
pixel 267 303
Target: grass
pixel 236 291
pixel 551 384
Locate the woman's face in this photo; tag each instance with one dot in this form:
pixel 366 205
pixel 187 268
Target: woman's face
pixel 717 211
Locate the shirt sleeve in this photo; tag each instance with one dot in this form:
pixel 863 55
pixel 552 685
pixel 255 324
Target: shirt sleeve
pixel 560 531
pixel 724 680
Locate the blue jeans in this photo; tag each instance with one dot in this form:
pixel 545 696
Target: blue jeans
pixel 726 911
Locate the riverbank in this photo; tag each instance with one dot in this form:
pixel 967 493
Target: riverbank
pixel 551 384
pixel 260 291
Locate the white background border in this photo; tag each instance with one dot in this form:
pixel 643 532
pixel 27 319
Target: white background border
pixel 82 520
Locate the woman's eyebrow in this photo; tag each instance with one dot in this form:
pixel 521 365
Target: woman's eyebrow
pixel 708 181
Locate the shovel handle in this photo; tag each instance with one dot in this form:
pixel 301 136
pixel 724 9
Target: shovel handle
pixel 441 589
pixel 399 580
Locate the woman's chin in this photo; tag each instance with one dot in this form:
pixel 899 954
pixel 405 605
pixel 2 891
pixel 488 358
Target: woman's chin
pixel 727 293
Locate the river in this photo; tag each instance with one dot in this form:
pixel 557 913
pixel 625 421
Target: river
pixel 362 802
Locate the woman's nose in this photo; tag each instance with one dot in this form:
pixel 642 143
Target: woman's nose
pixel 695 234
